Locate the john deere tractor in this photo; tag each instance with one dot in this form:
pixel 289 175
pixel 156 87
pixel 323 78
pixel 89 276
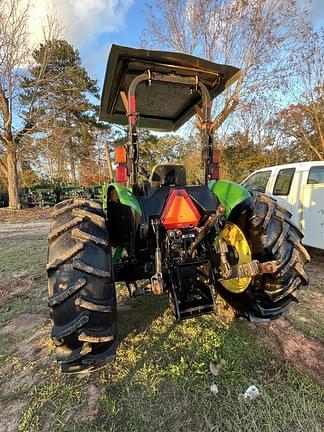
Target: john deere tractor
pixel 192 242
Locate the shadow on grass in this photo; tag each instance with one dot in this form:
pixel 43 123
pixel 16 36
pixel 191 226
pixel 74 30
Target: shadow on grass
pixel 135 315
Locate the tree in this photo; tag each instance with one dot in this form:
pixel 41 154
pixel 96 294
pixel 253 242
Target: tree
pixel 93 163
pixel 14 58
pixel 28 178
pixel 302 122
pixel 14 53
pixel 66 122
pixel 242 155
pixel 303 126
pixel 154 149
pixel 257 36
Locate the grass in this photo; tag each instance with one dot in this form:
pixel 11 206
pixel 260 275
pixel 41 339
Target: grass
pixel 22 256
pixel 160 379
pixel 10 311
pixel 23 277
pixel 308 316
pixel 308 322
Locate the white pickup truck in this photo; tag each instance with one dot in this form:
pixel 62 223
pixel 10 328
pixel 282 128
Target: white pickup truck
pixel 300 188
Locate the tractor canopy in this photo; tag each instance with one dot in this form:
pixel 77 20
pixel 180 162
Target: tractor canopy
pixel 162 105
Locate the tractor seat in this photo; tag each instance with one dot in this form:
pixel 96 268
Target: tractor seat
pixel 168 175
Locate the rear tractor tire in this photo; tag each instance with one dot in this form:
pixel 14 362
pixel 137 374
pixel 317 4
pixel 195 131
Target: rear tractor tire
pixel 271 236
pixel 81 289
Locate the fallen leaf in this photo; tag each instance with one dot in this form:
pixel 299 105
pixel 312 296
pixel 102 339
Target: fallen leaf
pixel 214 369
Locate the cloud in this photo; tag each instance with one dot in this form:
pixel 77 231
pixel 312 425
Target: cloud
pixel 83 20
pixel 94 60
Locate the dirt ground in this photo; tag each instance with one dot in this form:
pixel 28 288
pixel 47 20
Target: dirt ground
pixel 305 353
pixel 288 336
pixel 24 215
pixel 26 229
pixel 297 338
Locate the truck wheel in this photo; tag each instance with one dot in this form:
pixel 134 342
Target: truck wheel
pixel 80 286
pixel 271 236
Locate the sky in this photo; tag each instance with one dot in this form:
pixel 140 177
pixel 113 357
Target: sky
pixel 93 25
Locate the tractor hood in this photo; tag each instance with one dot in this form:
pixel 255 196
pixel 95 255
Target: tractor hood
pixel 163 106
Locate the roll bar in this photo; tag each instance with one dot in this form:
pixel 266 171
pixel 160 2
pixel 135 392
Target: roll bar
pixel 204 117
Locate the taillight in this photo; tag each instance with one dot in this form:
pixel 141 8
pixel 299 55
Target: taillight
pixel 179 211
pixel 121 174
pixel 120 154
pixel 214 173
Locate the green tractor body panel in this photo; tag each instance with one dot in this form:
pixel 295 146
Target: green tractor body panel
pixel 230 194
pixel 125 196
pixel 104 197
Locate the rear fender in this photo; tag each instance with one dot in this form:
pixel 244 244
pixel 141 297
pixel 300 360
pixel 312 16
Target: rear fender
pixel 123 213
pixel 124 194
pixel 229 194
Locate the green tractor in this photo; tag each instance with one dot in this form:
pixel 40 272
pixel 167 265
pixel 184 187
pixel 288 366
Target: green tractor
pixel 193 242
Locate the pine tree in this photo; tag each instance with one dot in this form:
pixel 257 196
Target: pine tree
pixel 64 105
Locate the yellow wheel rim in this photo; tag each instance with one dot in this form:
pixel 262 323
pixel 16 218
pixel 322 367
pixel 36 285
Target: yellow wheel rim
pixel 233 236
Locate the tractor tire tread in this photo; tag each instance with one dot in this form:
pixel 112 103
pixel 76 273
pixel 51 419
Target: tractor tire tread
pixel 86 268
pixel 99 336
pixel 60 332
pixel 107 355
pixel 65 227
pixel 273 237
pixel 64 294
pixel 66 356
pixel 69 205
pixel 83 236
pixel 91 305
pixel 81 288
pixel 65 256
pixel 86 214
